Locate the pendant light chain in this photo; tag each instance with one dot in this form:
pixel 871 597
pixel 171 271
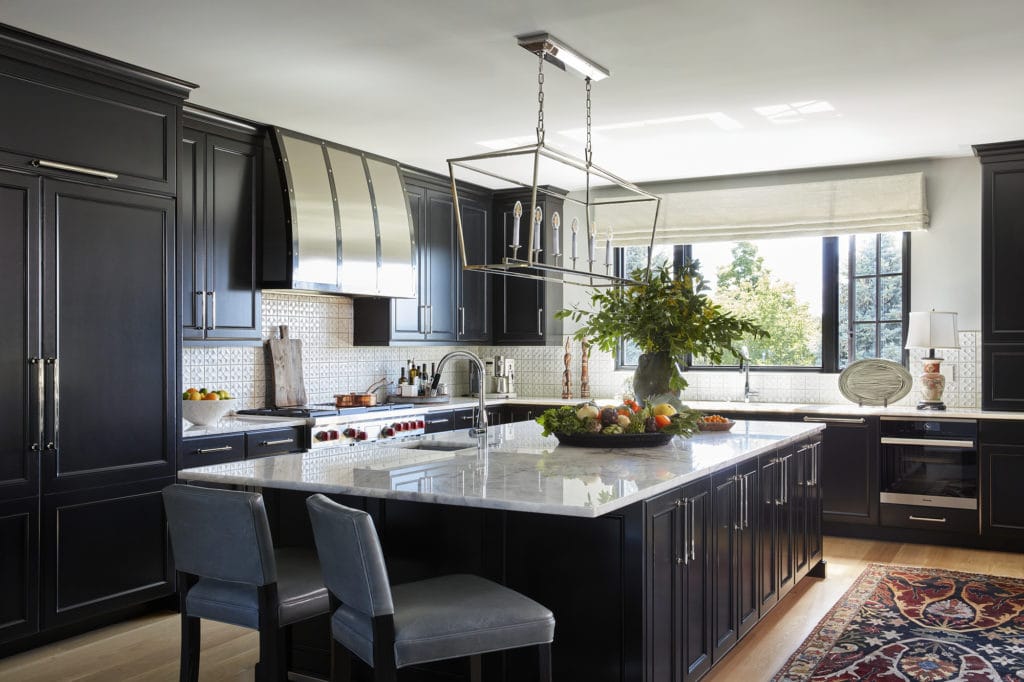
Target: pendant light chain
pixel 589 155
pixel 540 99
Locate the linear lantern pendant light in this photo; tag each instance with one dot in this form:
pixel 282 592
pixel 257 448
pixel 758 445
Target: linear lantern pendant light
pixel 534 263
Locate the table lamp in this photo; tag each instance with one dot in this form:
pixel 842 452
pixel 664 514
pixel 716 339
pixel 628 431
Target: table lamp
pixel 932 330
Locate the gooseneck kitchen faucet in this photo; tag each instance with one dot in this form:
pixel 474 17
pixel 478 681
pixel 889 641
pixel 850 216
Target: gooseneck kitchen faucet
pixel 481 417
pixel 745 368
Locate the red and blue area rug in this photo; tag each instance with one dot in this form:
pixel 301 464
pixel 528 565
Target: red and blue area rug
pixel 902 624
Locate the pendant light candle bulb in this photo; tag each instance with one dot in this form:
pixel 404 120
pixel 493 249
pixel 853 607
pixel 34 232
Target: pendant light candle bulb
pixel 538 219
pixel 556 237
pixel 574 227
pixel 517 213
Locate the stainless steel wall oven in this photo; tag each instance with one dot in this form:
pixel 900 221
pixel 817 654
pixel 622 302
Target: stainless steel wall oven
pixel 929 473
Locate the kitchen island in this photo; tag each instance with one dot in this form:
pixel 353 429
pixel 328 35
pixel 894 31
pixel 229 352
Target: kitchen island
pixel 655 561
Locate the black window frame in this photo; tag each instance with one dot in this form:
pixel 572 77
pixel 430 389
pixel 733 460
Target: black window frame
pixel 683 253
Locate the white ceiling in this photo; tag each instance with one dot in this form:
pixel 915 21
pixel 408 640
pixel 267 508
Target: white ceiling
pixel 423 80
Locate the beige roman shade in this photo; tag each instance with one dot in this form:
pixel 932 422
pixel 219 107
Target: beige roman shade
pixel 890 203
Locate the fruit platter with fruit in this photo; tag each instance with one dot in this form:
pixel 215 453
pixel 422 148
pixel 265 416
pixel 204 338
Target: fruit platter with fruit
pixel 203 407
pixel 714 422
pixel 624 425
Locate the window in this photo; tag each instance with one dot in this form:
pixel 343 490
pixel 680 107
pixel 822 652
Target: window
pixel 805 291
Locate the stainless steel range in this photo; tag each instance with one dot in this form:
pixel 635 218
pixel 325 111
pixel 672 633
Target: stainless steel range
pixel 331 426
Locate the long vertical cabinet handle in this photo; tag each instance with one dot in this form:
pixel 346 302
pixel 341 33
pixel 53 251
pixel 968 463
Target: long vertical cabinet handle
pixel 785 478
pixel 201 305
pixel 40 401
pixel 692 505
pixel 421 316
pixel 52 445
pixel 685 559
pixel 744 491
pixel 213 309
pixel 738 480
pixel 430 319
pixel 540 322
pixel 815 455
pixel 462 320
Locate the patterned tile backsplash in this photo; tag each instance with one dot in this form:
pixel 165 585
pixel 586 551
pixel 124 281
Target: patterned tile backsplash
pixel 331 364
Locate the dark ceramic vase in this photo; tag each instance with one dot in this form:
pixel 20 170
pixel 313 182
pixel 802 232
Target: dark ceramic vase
pixel 652 375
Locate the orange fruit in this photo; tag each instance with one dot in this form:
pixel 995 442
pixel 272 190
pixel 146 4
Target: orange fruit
pixel 661 420
pixel 211 396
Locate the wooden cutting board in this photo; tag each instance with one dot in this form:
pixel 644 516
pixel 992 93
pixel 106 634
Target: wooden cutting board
pixel 286 355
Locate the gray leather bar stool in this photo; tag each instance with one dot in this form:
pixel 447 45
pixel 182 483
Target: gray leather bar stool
pixel 229 571
pixel 452 616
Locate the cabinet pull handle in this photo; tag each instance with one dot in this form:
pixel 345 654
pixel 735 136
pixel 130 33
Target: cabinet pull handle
pixel 437 421
pixel 54 442
pixel 927 518
pixel 202 306
pixel 84 170
pixel 540 322
pixel 213 309
pixel 686 532
pixel 40 400
pixel 693 551
pixel 462 320
pixel 430 319
pixel 744 486
pixel 834 420
pixel 467 417
pixel 282 441
pixel 207 451
pixel 421 316
pixel 930 442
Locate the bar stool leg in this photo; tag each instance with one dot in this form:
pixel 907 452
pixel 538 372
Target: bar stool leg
pixel 474 668
pixel 544 651
pixel 191 634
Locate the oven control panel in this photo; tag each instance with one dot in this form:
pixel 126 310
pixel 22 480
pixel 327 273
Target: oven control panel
pixel 349 432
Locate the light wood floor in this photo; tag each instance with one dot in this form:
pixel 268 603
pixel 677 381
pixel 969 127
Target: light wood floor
pixel 147 648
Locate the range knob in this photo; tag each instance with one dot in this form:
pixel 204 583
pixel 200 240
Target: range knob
pixel 387 432
pixel 361 435
pixel 398 426
pixel 333 435
pixel 322 435
pixel 350 432
pixel 420 424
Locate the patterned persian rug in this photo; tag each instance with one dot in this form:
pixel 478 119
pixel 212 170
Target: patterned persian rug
pixel 901 624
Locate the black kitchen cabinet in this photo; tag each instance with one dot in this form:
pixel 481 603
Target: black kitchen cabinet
pixel 451 304
pixel 679 604
pixel 20 362
pixel 90 347
pixel 19 568
pixel 776 547
pixel 438 422
pixel 197 451
pixel 805 506
pixel 103 549
pixel 67 107
pixel 524 309
pixel 1001 471
pixel 218 215
pixel 1002 288
pixel 734 524
pixel 108 330
pixel 525 413
pixel 849 471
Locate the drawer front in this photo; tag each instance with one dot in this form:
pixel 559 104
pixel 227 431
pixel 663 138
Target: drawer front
pixel 436 422
pixel 930 518
pixel 273 442
pixel 197 452
pixel 54 118
pixel 463 419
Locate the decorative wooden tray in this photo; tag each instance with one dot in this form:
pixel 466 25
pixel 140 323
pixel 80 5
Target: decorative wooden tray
pixel 617 440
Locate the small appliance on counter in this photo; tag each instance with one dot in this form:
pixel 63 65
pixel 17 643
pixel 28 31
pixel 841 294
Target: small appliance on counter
pixel 499 379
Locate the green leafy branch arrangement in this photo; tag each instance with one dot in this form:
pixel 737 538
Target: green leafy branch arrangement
pixel 663 311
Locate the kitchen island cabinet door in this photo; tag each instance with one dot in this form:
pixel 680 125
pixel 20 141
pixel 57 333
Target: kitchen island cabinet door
pixel 108 337
pixel 20 433
pixel 19 568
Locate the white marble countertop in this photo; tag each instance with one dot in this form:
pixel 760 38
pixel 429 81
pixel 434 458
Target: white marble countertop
pixel 518 469
pixel 238 424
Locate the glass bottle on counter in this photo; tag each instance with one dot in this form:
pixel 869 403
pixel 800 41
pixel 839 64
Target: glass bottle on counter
pixel 401 378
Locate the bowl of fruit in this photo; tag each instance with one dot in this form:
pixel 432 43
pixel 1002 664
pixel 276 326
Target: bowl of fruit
pixel 203 407
pixel 617 426
pixel 715 422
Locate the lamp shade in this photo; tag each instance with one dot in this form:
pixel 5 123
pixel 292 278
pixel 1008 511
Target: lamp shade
pixel 932 330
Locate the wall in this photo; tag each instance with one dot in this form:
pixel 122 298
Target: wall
pixel 945 275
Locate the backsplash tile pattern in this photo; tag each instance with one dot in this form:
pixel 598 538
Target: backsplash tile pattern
pixel 331 364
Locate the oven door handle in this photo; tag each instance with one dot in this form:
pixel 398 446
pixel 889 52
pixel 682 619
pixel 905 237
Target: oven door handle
pixel 930 442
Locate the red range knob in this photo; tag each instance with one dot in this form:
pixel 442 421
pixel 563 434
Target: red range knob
pixel 398 426
pixel 350 433
pixel 322 435
pixel 333 435
pixel 389 431
pixel 420 424
pixel 361 435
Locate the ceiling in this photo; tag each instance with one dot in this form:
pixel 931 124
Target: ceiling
pixel 698 87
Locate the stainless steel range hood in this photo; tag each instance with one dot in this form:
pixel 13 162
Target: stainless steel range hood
pixel 350 227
